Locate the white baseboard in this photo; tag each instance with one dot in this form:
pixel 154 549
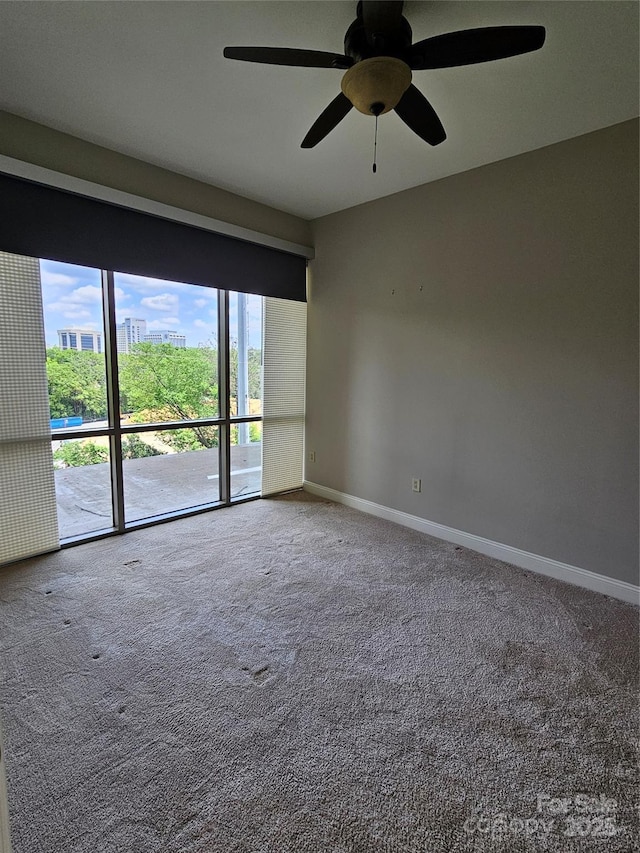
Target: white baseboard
pixel 524 559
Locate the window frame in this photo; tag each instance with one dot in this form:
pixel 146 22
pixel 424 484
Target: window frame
pixel 116 430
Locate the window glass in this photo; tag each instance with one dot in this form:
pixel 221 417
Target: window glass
pixel 83 485
pixel 167 350
pixel 246 461
pixel 245 354
pixel 245 392
pixel 169 470
pixel 72 310
pixel 166 340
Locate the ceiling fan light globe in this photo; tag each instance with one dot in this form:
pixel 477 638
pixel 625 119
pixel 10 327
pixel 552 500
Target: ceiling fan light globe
pixel 375 81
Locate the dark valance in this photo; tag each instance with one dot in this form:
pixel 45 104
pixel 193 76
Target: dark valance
pixel 43 222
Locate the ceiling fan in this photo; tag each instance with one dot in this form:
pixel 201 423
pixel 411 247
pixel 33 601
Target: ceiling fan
pixel 379 58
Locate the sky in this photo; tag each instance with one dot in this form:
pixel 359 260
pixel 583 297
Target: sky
pixel 71 296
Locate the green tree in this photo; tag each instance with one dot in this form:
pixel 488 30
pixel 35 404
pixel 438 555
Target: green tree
pixel 134 447
pixel 254 359
pixel 77 384
pixel 75 454
pixel 162 382
pixel 191 439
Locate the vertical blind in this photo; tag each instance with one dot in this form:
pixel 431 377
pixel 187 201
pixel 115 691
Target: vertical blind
pixel 28 517
pixel 285 347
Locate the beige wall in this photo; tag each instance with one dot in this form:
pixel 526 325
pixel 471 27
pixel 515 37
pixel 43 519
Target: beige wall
pixel 35 143
pixel 481 332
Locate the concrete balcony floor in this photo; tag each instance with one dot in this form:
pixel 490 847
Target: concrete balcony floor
pixel 152 486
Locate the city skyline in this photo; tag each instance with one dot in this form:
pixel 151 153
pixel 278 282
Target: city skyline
pixel 72 297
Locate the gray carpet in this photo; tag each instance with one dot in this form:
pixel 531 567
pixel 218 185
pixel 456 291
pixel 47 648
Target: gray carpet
pixel 291 676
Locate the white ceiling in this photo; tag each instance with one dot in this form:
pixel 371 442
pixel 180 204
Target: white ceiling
pixel 149 79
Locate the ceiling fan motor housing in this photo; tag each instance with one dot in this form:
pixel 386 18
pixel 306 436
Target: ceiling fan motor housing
pixel 394 39
pixel 375 86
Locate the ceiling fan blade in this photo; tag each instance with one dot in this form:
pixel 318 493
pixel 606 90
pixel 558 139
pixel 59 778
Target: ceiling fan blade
pixel 466 47
pixel 418 114
pixel 326 121
pixel 289 56
pixel 380 16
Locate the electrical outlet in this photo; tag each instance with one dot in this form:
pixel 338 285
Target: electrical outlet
pixel 416 484
pixel 312 456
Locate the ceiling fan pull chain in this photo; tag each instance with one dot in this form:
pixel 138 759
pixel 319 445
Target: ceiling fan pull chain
pixel 375 147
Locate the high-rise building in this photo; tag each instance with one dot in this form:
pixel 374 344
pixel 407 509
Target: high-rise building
pixel 80 339
pixel 134 331
pixel 131 331
pixel 166 336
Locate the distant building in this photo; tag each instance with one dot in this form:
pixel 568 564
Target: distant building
pixel 80 339
pixel 131 332
pixel 166 336
pixel 134 331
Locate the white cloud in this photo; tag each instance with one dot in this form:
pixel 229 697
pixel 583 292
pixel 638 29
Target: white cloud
pixel 79 321
pixel 161 302
pixel 142 284
pixel 50 279
pixel 163 323
pixel 81 304
pixel 200 303
pixel 62 307
pixel 87 295
pixel 84 295
pixel 73 313
pixel 200 324
pixel 121 299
